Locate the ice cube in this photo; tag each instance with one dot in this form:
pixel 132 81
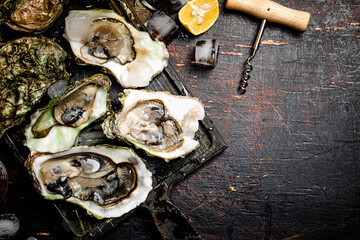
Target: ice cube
pixel 161 27
pixel 91 136
pixel 9 225
pixel 31 238
pixel 57 88
pixel 78 25
pixel 206 52
pixel 169 6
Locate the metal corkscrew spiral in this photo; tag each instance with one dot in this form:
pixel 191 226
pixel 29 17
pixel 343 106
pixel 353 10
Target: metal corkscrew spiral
pixel 246 77
pixel 248 68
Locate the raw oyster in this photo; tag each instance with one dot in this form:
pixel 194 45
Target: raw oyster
pixel 107 181
pixel 103 38
pixel 56 127
pixel 28 66
pixel 162 124
pixel 32 16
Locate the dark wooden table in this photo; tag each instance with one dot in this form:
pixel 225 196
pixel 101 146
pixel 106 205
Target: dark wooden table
pixel 292 167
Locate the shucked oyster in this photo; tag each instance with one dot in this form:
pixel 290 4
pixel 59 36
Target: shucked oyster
pixel 103 38
pixel 33 16
pixel 56 127
pixel 106 181
pixel 162 124
pixel 28 66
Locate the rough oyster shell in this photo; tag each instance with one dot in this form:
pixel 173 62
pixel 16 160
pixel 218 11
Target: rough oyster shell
pixel 107 181
pixel 31 16
pixel 28 66
pixel 56 127
pixel 103 38
pixel 162 124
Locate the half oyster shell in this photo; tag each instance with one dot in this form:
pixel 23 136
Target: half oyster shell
pixel 107 181
pixel 103 38
pixel 56 127
pixel 162 124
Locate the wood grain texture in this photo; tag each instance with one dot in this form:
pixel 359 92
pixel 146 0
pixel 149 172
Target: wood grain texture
pixel 292 167
pixel 272 12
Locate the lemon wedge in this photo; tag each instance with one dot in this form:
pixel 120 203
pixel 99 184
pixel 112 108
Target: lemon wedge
pixel 198 16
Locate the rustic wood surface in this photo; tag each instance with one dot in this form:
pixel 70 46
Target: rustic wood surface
pixel 291 170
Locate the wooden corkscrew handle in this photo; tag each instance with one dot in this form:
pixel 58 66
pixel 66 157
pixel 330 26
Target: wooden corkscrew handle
pixel 273 12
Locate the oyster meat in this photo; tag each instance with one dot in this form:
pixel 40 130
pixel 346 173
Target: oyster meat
pixel 31 16
pixel 56 127
pixel 103 38
pixel 28 66
pixel 162 124
pixel 107 181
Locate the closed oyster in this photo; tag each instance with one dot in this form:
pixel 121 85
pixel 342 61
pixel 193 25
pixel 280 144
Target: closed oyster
pixel 162 124
pixel 28 66
pixel 32 16
pixel 107 181
pixel 56 127
pixel 103 38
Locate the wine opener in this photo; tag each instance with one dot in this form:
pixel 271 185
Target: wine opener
pixel 267 11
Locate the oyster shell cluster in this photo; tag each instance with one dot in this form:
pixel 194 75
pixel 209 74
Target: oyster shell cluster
pixel 108 181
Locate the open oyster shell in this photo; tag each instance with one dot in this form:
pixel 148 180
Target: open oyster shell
pixel 56 127
pixel 28 66
pixel 31 16
pixel 162 124
pixel 103 38
pixel 107 181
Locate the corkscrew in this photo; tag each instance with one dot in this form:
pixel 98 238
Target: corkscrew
pixel 267 11
pixel 248 69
